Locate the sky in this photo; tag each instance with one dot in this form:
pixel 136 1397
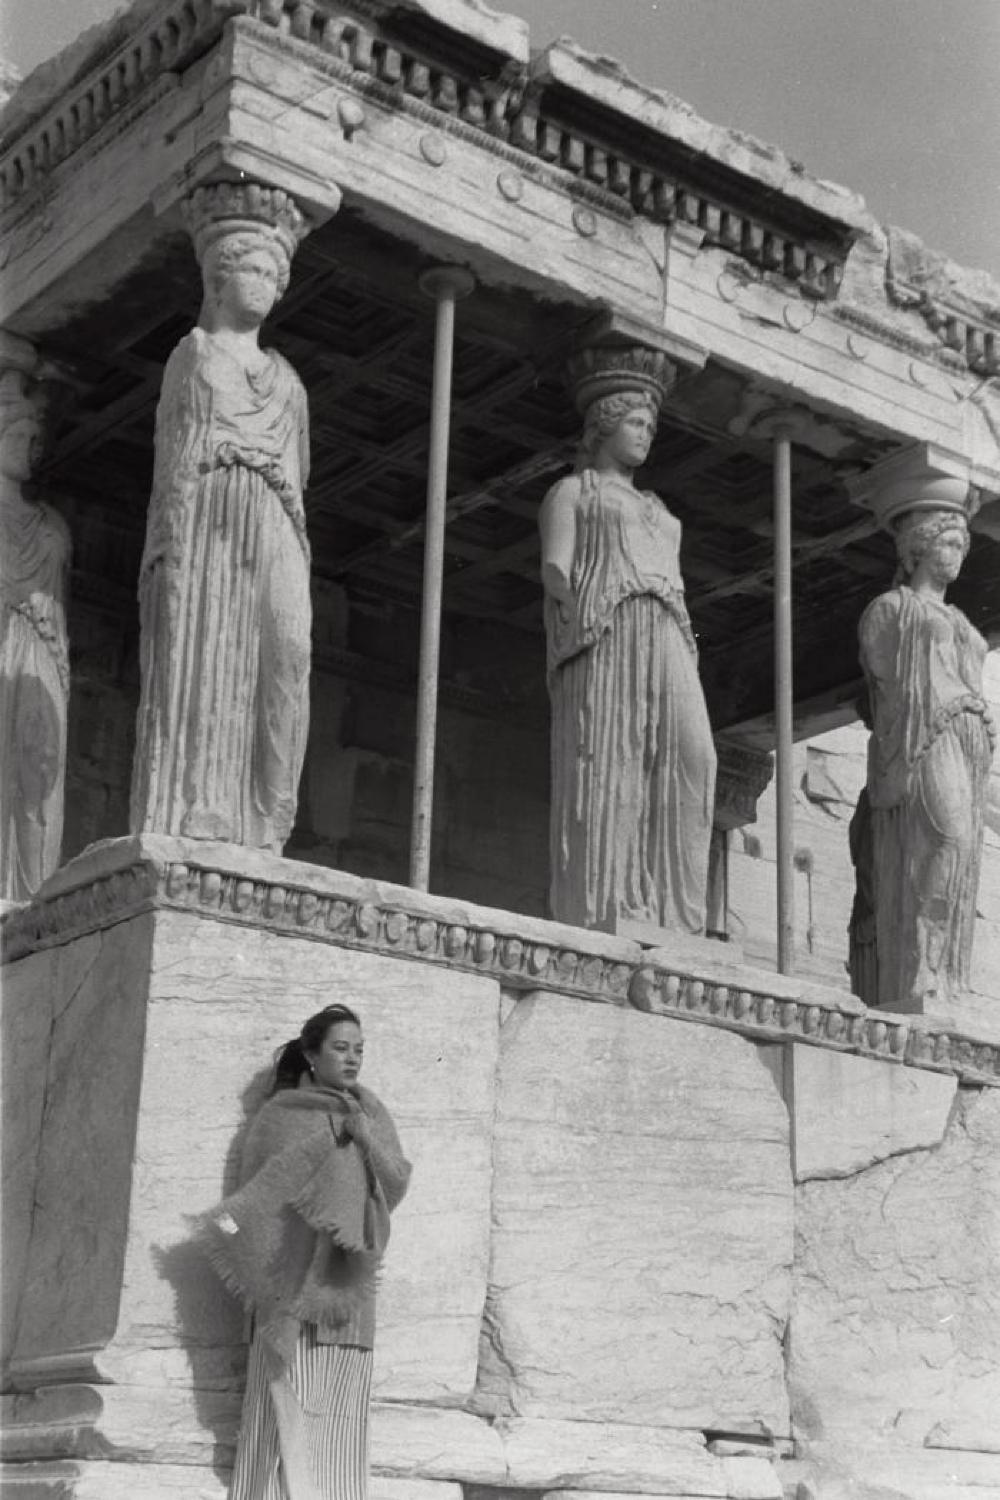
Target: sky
pixel 897 99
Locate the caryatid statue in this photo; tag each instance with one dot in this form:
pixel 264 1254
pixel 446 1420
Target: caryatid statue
pixel 34 663
pixel 929 760
pixel 633 763
pixel 225 613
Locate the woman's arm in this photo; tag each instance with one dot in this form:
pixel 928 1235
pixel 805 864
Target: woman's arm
pixel 375 1134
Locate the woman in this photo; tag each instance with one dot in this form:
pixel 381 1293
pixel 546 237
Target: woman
pixel 633 762
pixel 224 585
pixel 34 656
pixel 929 760
pixel 300 1242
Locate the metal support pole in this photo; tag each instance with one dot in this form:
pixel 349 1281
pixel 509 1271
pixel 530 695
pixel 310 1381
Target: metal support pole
pixel 446 285
pixel 783 695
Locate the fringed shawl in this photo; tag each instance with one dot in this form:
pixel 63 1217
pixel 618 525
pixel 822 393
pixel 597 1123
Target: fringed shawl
pixel 302 1237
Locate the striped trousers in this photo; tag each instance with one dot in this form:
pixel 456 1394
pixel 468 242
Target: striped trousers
pixel 306 1437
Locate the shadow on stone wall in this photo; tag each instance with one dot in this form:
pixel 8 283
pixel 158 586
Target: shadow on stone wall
pixel 212 1328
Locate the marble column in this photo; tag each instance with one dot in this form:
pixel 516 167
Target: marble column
pixel 34 658
pixel 225 616
pixel 932 741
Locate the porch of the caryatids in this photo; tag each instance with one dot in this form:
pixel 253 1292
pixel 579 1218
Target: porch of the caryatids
pixel 34 657
pixel 225 614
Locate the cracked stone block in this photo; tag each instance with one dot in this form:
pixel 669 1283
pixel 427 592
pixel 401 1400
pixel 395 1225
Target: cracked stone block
pixel 165 1027
pixel 642 1206
pixel 27 1025
pixel 382 1488
pixel 850 1112
pixel 859 1472
pixel 895 1331
pixel 409 1442
pixel 549 1454
pixel 92 1069
pixel 111 1481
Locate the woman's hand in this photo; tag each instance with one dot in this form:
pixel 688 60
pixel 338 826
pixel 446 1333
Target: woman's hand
pixel 358 1127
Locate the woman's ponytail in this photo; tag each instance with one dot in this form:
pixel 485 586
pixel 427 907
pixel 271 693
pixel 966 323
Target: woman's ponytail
pixel 289 1064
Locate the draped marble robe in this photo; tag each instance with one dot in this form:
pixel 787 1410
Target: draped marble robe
pixel 929 761
pixel 34 692
pixel 633 761
pixel 224 602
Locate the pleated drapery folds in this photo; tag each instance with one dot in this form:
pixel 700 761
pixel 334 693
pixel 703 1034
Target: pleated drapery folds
pixel 325 1420
pixel 633 776
pixel 928 766
pixel 224 604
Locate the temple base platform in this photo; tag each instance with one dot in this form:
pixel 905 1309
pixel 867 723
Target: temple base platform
pixel 677 1226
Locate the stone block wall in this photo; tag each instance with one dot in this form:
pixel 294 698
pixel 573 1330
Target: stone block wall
pixel 641 1254
pixel 894 1340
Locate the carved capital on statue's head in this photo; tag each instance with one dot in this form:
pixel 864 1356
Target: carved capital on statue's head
pixel 617 370
pixel 609 381
pixel 233 217
pixel 919 479
pixel 742 775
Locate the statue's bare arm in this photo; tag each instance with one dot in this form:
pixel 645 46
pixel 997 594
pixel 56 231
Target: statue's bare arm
pixel 557 524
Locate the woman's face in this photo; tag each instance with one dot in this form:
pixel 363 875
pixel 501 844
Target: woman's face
pixel 337 1061
pixel 249 291
pixel 943 559
pixel 629 444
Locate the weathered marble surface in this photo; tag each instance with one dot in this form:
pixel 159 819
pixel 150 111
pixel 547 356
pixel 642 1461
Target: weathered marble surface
pixel 834 1472
pixel 633 762
pixel 617 1178
pixel 431 1053
pixel 27 1026
pixel 224 602
pixel 895 1331
pixel 34 652
pixel 220 1001
pixel 850 1112
pixel 619 1457
pixel 72 1275
pixel 932 748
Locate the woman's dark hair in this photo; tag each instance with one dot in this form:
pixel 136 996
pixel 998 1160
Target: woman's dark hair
pixel 290 1061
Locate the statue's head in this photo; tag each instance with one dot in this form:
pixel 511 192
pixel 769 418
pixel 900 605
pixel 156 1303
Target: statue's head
pixel 932 544
pixel 624 422
pixel 244 274
pixel 618 390
pixel 244 236
pixel 21 416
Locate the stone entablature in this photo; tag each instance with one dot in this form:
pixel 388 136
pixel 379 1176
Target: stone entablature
pixel 396 107
pixel 517 108
pixel 123 878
